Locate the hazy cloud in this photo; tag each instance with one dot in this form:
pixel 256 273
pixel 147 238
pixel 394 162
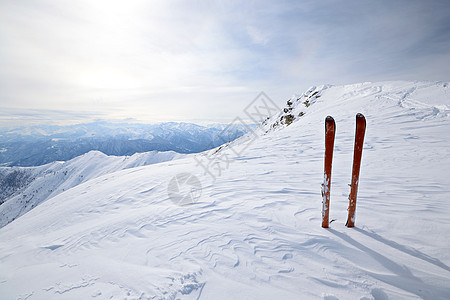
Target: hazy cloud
pixel 185 60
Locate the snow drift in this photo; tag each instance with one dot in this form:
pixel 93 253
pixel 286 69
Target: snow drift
pixel 23 188
pixel 255 231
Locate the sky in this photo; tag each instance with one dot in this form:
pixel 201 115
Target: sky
pixel 67 62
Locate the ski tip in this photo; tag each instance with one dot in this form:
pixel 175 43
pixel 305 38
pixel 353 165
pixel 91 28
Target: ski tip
pixel 329 124
pixel 361 119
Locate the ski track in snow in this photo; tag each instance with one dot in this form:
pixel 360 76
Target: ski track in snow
pixel 255 232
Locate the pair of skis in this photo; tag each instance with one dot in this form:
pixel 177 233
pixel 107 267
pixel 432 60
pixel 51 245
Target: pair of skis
pixel 330 128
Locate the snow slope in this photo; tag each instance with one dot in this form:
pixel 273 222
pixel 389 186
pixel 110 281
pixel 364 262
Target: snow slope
pixel 23 188
pixel 255 232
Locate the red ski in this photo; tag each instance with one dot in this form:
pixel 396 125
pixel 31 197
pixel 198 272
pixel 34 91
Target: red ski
pixel 330 127
pixel 359 141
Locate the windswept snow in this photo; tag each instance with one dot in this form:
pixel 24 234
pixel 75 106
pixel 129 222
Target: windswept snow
pixel 255 231
pixel 23 188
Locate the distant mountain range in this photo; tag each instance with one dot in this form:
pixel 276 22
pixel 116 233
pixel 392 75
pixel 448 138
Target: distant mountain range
pixel 39 145
pixel 104 227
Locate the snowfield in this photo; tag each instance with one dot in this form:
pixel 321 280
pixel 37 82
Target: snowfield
pixel 23 188
pixel 254 231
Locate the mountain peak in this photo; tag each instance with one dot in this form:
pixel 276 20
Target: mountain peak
pixel 254 229
pixel 295 108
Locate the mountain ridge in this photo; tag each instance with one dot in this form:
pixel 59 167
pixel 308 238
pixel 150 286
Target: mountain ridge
pixel 38 145
pixel 24 188
pixel 254 232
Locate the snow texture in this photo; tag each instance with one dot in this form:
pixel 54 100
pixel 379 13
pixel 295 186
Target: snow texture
pixel 255 232
pixel 23 188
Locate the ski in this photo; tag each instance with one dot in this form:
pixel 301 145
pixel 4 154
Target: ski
pixel 330 127
pixel 359 141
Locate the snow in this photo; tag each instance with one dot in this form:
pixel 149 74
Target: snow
pixel 44 182
pixel 255 232
pixel 41 144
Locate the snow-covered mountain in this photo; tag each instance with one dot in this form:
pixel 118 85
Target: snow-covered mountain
pixel 23 188
pixel 38 145
pixel 253 230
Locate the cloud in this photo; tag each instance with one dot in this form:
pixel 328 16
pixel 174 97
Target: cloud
pixel 182 60
pixel 12 118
